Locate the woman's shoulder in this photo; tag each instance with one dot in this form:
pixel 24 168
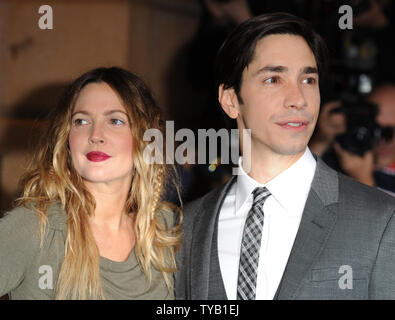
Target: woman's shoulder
pixel 169 213
pixel 19 227
pixel 57 217
pixel 20 215
pixel 23 251
pixel 27 217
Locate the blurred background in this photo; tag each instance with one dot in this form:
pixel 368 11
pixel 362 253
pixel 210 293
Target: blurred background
pixel 171 44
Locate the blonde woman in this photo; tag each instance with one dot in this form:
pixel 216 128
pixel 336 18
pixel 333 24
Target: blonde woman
pixel 91 223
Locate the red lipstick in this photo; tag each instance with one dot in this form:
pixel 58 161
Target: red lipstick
pixel 97 156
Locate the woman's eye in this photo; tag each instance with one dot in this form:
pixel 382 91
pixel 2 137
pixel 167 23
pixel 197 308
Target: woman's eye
pixel 80 122
pixel 117 122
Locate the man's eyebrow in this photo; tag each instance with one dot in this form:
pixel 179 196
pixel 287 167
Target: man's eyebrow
pixel 308 70
pixel 269 68
pixel 282 69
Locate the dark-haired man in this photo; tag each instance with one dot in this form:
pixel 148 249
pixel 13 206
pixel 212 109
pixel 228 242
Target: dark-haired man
pixel 290 227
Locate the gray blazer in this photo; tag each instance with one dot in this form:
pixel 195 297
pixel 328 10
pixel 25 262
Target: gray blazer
pixel 344 223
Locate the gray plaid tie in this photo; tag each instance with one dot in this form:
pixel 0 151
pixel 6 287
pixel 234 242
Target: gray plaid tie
pixel 250 245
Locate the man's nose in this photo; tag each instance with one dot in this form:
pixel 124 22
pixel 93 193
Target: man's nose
pixel 295 97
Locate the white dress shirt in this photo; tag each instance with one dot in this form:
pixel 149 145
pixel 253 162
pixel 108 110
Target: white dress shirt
pixel 282 214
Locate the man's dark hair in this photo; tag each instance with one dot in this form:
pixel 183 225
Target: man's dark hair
pixel 238 49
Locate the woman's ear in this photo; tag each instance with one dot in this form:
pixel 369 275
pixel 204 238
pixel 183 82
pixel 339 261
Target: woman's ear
pixel 228 101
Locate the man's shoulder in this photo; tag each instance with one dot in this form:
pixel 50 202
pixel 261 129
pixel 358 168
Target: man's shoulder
pixel 364 199
pixel 360 190
pixel 195 205
pixel 206 202
pixel 336 186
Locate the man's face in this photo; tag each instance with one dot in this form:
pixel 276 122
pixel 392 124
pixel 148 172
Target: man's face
pixel 280 96
pixel 385 99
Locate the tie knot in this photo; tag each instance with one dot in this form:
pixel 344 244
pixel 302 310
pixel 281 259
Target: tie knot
pixel 260 194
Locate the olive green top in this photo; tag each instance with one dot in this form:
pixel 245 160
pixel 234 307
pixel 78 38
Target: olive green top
pixel 30 272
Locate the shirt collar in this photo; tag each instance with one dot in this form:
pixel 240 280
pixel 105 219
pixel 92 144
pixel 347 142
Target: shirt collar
pixel 289 188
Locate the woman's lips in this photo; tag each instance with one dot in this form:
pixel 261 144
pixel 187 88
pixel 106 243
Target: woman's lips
pixel 97 156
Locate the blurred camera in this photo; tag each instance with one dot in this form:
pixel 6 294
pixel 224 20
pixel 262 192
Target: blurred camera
pixel 387 133
pixel 363 132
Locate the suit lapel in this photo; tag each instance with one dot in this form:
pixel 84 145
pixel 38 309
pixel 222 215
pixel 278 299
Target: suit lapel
pixel 316 224
pixel 206 282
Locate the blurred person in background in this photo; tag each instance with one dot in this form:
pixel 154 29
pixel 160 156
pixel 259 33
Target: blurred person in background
pixel 91 223
pixel 375 20
pixel 351 123
pixel 384 174
pixel 373 166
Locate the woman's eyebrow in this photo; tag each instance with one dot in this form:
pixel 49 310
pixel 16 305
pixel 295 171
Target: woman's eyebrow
pixel 105 113
pixel 114 111
pixel 83 112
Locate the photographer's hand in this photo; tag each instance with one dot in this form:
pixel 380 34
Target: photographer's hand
pixel 359 168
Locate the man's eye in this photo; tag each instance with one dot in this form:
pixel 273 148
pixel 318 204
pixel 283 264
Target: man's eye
pixel 80 122
pixel 310 81
pixel 117 122
pixel 271 80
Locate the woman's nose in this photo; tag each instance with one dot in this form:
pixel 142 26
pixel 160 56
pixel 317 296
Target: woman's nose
pixel 96 135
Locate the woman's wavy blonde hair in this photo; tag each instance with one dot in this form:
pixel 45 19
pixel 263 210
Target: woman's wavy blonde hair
pixel 52 178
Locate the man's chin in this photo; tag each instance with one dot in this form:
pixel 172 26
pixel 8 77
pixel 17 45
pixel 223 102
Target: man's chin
pixel 290 150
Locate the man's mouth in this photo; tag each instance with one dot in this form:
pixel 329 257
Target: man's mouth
pixel 295 125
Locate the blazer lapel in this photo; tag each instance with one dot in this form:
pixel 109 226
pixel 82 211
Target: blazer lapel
pixel 318 219
pixel 206 280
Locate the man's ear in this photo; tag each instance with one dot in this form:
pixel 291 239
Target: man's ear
pixel 228 101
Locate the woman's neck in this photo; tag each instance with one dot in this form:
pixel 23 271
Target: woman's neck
pixel 110 206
